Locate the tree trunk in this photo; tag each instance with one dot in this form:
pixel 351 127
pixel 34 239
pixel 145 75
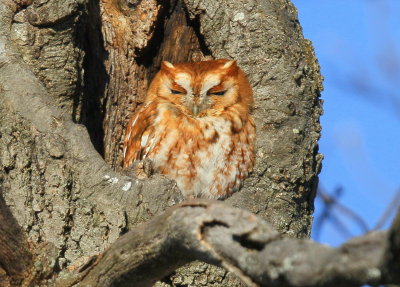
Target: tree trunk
pixel 74 62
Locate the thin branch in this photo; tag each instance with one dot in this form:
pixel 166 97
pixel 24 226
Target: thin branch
pixel 332 203
pixel 394 204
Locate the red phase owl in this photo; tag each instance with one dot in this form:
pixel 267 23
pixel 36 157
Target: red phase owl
pixel 196 128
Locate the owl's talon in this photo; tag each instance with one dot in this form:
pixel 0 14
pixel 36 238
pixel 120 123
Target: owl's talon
pixel 140 169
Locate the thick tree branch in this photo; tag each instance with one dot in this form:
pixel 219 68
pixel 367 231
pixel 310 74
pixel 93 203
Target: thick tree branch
pixel 242 243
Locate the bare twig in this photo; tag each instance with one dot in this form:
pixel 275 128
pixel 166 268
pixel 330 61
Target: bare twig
pixel 331 205
pixel 394 204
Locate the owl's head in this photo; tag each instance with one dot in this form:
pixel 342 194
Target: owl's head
pixel 202 88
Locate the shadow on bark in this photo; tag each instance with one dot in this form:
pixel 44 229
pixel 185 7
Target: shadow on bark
pixel 16 261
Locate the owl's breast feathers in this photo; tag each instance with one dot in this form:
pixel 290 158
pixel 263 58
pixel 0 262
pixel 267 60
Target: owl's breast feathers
pixel 208 156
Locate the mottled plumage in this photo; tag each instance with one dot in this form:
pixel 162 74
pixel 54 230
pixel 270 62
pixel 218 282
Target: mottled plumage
pixel 196 127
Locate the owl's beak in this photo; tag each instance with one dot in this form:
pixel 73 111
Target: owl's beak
pixel 195 110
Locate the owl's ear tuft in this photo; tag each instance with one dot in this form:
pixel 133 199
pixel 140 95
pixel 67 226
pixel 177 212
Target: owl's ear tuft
pixel 229 64
pixel 167 65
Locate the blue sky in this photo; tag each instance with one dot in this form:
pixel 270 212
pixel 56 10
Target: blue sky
pixel 357 43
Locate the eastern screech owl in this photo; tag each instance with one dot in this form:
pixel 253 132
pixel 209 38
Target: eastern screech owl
pixel 195 126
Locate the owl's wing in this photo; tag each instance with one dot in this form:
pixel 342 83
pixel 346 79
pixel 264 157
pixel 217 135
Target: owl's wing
pixel 140 134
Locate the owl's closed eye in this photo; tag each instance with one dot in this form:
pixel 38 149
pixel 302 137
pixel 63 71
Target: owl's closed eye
pixel 196 127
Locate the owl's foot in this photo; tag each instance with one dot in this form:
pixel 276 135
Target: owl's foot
pixel 140 169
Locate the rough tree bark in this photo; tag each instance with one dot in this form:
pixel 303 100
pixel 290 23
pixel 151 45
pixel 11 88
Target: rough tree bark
pixel 72 71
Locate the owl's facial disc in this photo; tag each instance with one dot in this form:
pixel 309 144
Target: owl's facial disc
pixel 202 94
